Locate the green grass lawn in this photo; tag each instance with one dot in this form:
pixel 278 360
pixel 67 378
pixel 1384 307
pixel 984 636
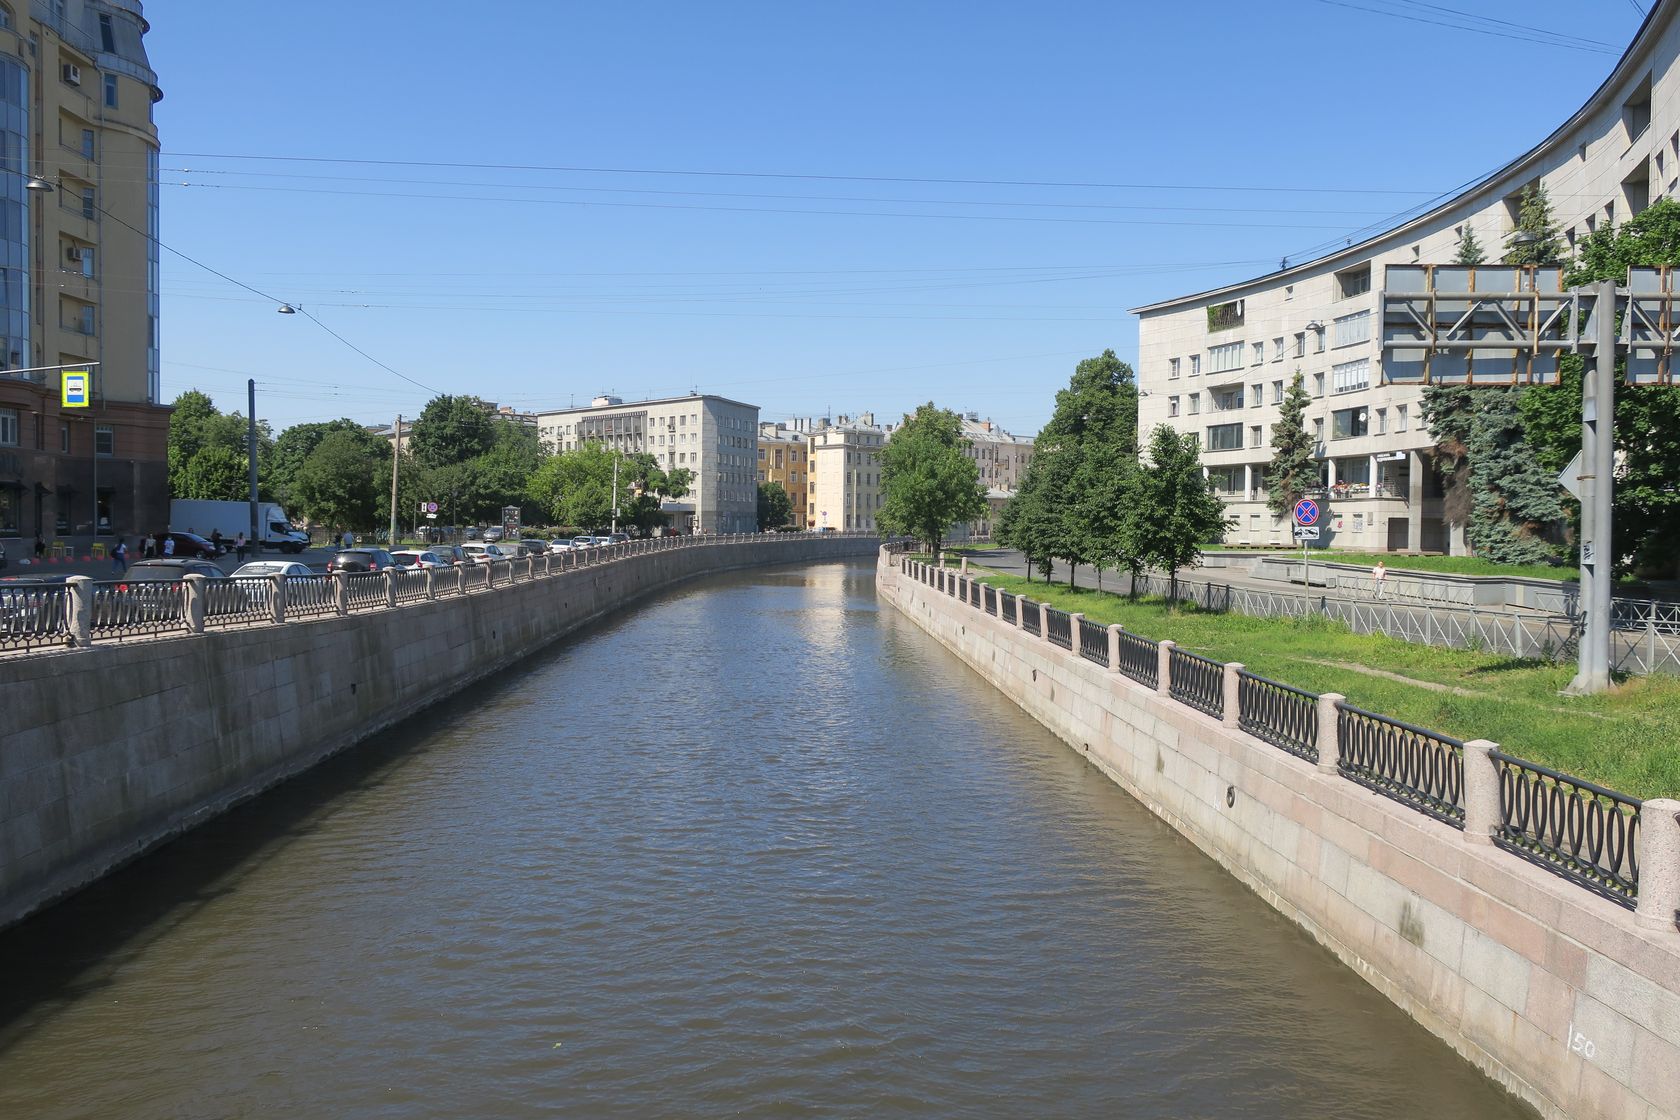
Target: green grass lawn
pixel 1627 738
pixel 1451 565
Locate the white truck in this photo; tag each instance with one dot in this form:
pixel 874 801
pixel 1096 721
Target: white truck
pixel 274 528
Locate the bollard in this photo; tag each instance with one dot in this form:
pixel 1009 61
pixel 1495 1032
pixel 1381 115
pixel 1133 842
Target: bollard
pixel 277 598
pixel 1232 694
pixel 81 610
pixel 431 583
pixel 1163 666
pixel 341 592
pixel 1114 632
pixel 195 604
pixel 391 588
pixel 1329 732
pixel 1481 792
pixel 1659 863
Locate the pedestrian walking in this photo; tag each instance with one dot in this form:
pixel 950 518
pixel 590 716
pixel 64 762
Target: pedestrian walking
pixel 119 558
pixel 216 540
pixel 1379 576
pixel 349 539
pixel 148 547
pixel 168 546
pixel 239 547
pixel 40 545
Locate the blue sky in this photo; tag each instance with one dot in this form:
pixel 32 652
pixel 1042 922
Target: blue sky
pixel 814 208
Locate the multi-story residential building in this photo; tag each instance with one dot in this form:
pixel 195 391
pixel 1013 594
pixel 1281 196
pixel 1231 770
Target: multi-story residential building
pixel 713 437
pixel 1001 459
pixel 78 272
pixel 1217 362
pixel 844 490
pixel 784 457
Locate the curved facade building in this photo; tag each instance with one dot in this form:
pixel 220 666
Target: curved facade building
pixel 1217 362
pixel 79 274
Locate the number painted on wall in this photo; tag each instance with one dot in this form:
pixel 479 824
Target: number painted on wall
pixel 1579 1043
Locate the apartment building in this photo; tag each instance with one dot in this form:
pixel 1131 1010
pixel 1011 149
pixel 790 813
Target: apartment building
pixel 784 457
pixel 713 437
pixel 844 489
pixel 78 272
pixel 1217 362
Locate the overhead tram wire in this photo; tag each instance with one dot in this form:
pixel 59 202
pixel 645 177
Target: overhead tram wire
pixel 1540 37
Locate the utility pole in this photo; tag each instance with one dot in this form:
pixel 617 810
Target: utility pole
pixel 396 454
pixel 615 492
pixel 1598 464
pixel 251 460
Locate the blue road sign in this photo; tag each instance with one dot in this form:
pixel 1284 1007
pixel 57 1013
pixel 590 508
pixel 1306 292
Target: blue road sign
pixel 1306 512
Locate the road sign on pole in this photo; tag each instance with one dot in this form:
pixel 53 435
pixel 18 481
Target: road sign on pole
pixel 1306 532
pixel 1306 512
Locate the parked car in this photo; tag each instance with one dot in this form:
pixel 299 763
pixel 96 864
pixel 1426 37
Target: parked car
pixel 480 553
pixel 171 568
pixel 559 544
pixel 492 535
pixel 419 558
pixel 450 553
pixel 291 569
pixel 533 546
pixel 584 542
pixel 360 560
pixel 614 538
pixel 472 532
pixel 186 545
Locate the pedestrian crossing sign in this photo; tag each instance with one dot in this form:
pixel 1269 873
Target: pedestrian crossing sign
pixel 75 388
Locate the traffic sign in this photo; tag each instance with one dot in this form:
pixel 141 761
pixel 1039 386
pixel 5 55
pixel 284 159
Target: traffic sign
pixel 74 387
pixel 1306 532
pixel 1306 512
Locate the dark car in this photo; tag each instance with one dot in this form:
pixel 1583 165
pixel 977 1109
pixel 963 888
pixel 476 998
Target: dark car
pixel 360 560
pixel 186 544
pixel 171 568
pixel 32 606
pixel 150 591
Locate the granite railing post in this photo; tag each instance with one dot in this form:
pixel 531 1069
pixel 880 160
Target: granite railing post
pixel 391 588
pixel 1659 863
pixel 1021 605
pixel 965 565
pixel 1232 694
pixel 1481 792
pixel 1114 631
pixel 431 583
pixel 80 609
pixel 460 577
pixel 1044 621
pixel 1076 641
pixel 1329 733
pixel 195 603
pixel 341 592
pixel 277 598
pixel 490 574
pixel 530 568
pixel 1163 666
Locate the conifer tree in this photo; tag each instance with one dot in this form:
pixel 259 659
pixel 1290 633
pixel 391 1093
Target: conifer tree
pixel 1293 471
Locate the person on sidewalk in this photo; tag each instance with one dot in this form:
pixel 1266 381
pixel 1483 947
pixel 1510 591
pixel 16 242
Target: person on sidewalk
pixel 119 558
pixel 1379 576
pixel 169 546
pixel 239 547
pixel 40 545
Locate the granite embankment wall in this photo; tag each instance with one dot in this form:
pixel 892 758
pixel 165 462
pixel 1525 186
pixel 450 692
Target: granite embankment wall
pixel 1569 1000
pixel 109 750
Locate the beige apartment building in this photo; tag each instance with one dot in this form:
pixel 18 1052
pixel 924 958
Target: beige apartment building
pixel 844 490
pixel 1217 363
pixel 79 279
pixel 713 437
pixel 784 457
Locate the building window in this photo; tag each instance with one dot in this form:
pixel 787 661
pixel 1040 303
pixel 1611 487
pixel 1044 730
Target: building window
pixel 1353 329
pixel 87 143
pixel 1350 377
pixel 88 206
pixel 8 427
pixel 1318 341
pixel 110 91
pixel 1195 365
pixel 1172 369
pixel 1172 406
pixel 1399 417
pixel 1257 396
pixel 1225 316
pixel 1259 354
pixel 1224 437
pixel 1318 384
pixel 1288 292
pixel 104 440
pixel 1223 359
pixel 1318 430
pixel 1277 349
pixel 1254 435
pixel 1277 392
pixel 1348 423
pixel 1353 282
pixel 64 439
pixel 1195 403
pixel 1359 522
pixel 107 37
pixel 1301 345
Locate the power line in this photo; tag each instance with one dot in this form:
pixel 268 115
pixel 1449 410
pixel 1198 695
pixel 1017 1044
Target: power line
pixel 1539 36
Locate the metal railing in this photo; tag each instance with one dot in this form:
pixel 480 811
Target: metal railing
pixel 1140 659
pixel 1571 827
pixel 1007 607
pixel 1093 642
pixel 34 615
pixel 1059 625
pixel 1283 716
pixel 973 593
pixel 1415 766
pixel 124 610
pixel 1197 681
pixel 231 601
pixel 1030 615
pixel 989 601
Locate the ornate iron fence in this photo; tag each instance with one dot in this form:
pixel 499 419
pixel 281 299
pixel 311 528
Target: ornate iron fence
pixel 989 600
pixel 1416 767
pixel 1060 627
pixel 1140 659
pixel 1571 827
pixel 1283 716
pixel 123 610
pixel 973 593
pixel 367 589
pixel 307 596
pixel 1093 641
pixel 231 601
pixel 34 615
pixel 1030 616
pixel 1008 607
pixel 1197 681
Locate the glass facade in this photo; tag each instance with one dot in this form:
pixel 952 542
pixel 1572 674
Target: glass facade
pixel 154 285
pixel 14 216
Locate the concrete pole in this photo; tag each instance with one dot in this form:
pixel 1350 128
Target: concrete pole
pixel 1598 451
pixel 250 464
pixel 1329 732
pixel 1481 792
pixel 1659 864
pixel 396 456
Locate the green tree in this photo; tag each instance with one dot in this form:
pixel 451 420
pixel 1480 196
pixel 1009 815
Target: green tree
pixel 1029 524
pixel 1515 500
pixel 1535 238
pixel 214 474
pixel 452 430
pixel 1293 470
pixel 293 446
pixel 1449 412
pixel 775 508
pixel 336 483
pixel 196 424
pixel 1470 250
pixel 1178 506
pixel 575 487
pixel 927 483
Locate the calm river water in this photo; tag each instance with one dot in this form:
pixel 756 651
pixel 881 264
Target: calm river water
pixel 758 848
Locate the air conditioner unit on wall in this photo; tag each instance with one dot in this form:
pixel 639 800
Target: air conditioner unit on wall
pixel 73 73
pixel 73 253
